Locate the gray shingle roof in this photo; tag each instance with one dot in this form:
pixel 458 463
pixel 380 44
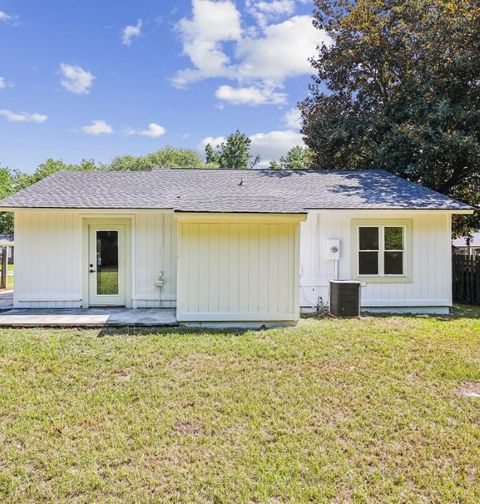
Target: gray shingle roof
pixel 264 191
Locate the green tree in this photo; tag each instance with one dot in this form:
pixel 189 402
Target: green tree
pixel 51 166
pixel 210 155
pixel 130 163
pixel 397 88
pixel 13 181
pixel 234 153
pixel 275 165
pixel 168 157
pixel 297 158
pixel 7 187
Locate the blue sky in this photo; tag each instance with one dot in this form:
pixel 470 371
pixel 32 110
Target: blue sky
pixel 96 79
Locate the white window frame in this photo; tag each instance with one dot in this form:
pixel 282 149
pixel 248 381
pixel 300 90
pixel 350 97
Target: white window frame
pixel 381 251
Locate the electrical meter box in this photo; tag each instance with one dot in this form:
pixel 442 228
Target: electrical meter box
pixel 333 250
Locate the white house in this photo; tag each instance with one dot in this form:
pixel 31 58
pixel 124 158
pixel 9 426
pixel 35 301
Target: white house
pixel 231 245
pixel 467 245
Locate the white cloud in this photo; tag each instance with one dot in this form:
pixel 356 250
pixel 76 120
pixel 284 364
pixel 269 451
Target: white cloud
pixel 130 32
pixel 76 79
pixel 97 127
pixel 153 130
pixel 283 50
pixel 5 17
pixel 22 116
pixel 213 141
pixel 249 95
pixel 269 146
pixel 12 19
pixel 264 11
pixel 5 84
pixel 293 119
pixel 212 23
pixel 274 144
pixel 262 58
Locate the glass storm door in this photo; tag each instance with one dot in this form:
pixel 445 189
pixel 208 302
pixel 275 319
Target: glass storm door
pixel 106 267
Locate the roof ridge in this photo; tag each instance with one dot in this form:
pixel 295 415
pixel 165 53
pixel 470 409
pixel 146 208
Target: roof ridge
pixel 256 170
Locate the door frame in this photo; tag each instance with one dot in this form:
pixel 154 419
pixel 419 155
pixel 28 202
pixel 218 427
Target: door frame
pixel 105 221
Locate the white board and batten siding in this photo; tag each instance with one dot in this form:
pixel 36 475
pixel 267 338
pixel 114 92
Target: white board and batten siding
pixel 238 271
pixel 430 284
pixel 48 259
pixel 50 266
pixel 155 252
pixel 250 270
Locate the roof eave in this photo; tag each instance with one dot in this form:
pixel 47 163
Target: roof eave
pixel 463 211
pixel 85 209
pixel 460 211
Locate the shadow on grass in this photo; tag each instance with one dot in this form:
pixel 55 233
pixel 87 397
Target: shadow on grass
pixel 169 330
pixel 459 311
pixel 466 311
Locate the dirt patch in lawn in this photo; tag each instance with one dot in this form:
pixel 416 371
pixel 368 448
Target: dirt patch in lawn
pixel 189 428
pixel 470 390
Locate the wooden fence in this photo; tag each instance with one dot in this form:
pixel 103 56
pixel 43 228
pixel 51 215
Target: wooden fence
pixel 466 279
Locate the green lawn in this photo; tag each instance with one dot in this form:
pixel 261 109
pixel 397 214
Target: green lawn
pixel 10 282
pixel 330 411
pixel 10 277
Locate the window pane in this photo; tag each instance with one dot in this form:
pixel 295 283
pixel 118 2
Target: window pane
pixel 393 263
pixel 368 263
pixel 393 238
pixel 368 238
pixel 107 262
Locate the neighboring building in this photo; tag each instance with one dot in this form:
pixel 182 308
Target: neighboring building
pixel 467 245
pixel 6 241
pixel 231 245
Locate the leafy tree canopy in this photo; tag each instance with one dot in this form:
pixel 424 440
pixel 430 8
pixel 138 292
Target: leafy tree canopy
pixel 8 185
pixel 234 153
pixel 398 88
pixel 297 158
pixel 51 166
pixel 210 155
pixel 168 157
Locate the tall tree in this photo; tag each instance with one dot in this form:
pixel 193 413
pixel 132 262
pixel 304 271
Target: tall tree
pixel 234 153
pixel 210 155
pixel 398 87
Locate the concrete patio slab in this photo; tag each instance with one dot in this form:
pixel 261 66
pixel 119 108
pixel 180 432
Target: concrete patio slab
pixel 6 299
pixel 93 317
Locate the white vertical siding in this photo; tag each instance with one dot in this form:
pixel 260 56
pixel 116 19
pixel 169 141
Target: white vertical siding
pixel 48 259
pixel 235 271
pixel 244 270
pixel 154 251
pixel 431 261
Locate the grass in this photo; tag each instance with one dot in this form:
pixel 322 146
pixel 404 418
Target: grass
pixel 330 411
pixel 10 282
pixel 10 277
pixel 107 282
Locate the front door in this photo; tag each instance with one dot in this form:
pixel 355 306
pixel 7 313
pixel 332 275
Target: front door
pixel 107 265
